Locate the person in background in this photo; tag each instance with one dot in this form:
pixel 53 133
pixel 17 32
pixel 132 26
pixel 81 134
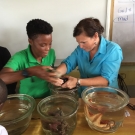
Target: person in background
pixel 98 60
pixel 30 66
pixel 3 98
pixel 4 57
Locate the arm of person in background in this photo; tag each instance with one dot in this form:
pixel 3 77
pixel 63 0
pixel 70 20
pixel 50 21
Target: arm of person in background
pixel 10 76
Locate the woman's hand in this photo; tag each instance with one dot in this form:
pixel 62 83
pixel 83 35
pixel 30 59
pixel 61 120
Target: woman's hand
pixel 71 82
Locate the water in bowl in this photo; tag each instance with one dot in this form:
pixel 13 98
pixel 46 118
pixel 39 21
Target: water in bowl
pixel 56 126
pixel 59 90
pixel 103 111
pixel 58 114
pixel 9 116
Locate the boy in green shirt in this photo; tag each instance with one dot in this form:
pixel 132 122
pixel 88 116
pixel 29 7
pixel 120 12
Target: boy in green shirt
pixel 30 66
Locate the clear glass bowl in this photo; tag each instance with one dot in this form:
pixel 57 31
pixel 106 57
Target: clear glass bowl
pixel 104 108
pixel 58 114
pixel 58 90
pixel 16 113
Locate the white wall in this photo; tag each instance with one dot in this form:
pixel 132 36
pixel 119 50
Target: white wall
pixel 62 14
pixel 123 31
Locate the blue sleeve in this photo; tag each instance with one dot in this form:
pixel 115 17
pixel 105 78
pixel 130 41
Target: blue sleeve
pixel 71 61
pixel 111 66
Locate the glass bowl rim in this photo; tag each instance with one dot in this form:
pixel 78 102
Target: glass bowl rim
pixel 26 114
pixel 118 90
pixel 55 97
pixel 59 91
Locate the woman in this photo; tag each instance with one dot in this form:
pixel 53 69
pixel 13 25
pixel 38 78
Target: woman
pixel 98 60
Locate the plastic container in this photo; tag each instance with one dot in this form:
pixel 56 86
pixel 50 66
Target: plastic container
pixel 16 113
pixel 104 108
pixel 58 114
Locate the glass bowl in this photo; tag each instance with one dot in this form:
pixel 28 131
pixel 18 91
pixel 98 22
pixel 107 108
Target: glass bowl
pixel 59 90
pixel 16 113
pixel 104 108
pixel 58 114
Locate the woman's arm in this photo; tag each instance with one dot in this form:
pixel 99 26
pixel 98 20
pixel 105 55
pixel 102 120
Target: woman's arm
pixel 62 69
pixel 95 81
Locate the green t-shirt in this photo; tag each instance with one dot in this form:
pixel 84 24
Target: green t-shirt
pixel 33 86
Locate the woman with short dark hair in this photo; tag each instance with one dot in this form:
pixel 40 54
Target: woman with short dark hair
pixel 98 59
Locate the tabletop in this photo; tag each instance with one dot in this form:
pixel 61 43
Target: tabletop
pixel 82 128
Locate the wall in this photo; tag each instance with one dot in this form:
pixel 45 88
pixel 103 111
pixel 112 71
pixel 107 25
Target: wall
pixel 123 31
pixel 62 14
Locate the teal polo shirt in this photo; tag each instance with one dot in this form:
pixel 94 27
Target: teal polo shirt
pixel 33 86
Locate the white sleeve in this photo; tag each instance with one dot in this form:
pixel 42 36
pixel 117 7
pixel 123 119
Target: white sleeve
pixel 3 130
